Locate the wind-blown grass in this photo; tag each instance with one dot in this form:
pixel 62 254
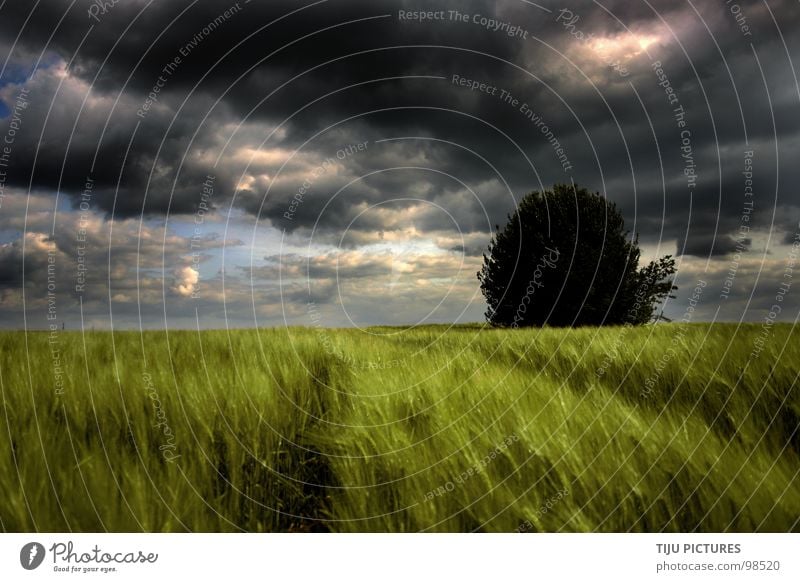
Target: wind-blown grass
pixel 666 427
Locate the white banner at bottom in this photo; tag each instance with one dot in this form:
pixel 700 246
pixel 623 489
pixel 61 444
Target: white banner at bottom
pixel 389 557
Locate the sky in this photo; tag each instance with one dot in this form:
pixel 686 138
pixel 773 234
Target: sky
pixel 182 164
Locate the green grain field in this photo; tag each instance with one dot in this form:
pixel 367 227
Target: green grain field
pixel 657 428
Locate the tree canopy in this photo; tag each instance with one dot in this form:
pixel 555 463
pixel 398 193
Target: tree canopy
pixel 565 259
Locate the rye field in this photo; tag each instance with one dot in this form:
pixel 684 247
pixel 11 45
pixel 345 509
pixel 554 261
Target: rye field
pixel 668 427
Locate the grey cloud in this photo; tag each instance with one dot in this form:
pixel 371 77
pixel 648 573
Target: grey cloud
pixel 212 116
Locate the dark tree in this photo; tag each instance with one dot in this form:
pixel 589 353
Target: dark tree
pixel 565 259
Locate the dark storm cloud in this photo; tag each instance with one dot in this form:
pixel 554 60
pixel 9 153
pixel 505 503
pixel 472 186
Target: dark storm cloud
pixel 793 235
pixel 710 245
pixel 231 68
pixel 123 58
